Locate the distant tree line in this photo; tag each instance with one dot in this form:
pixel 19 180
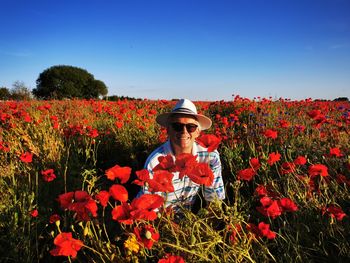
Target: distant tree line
pixel 62 82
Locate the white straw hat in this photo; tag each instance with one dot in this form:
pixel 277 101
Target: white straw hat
pixel 186 107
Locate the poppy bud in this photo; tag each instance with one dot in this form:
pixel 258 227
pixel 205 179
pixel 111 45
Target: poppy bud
pixel 193 239
pixel 86 231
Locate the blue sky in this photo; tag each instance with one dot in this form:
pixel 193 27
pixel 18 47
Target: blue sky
pixel 198 49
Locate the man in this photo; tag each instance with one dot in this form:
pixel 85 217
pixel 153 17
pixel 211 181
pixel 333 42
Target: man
pixel 183 126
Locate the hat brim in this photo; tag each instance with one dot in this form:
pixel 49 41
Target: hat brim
pixel 204 121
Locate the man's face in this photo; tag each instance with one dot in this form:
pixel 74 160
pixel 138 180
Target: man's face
pixel 182 137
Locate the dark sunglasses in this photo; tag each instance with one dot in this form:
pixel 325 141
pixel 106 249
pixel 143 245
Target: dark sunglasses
pixel 179 127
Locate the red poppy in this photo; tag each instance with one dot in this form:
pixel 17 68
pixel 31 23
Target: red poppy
pixel 143 176
pixel 122 173
pixel 284 123
pixel 318 169
pixel 4 147
pixel 314 113
pixel 146 235
pixel 119 192
pixel 273 158
pixel 209 141
pixel 34 213
pixel 26 157
pixel 53 218
pixel 335 212
pixel 162 181
pixel 121 213
pixel 83 205
pixel 165 163
pixel 335 152
pixel 265 230
pixel 65 199
pixel 66 245
pixel 171 259
pixel 262 230
pixel 246 174
pixel 270 208
pixel 261 190
pixel 300 160
pixel 147 202
pixel 269 133
pixel 201 174
pixel 103 197
pixel 48 175
pixel 184 163
pixel 288 205
pixel 144 206
pixel 254 163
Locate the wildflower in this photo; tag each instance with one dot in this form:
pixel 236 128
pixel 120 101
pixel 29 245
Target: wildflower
pixel 201 174
pixel 300 160
pixel 4 147
pixel 335 212
pixel 66 245
pixel 261 230
pixel 143 176
pixel 65 199
pixel 144 206
pixel 48 175
pixel 161 181
pixel 269 133
pixel 261 190
pixel 103 197
pixel 121 213
pixel 26 157
pixel 273 158
pixel 335 152
pixel 165 163
pixel 184 163
pixel 140 208
pixel 119 192
pixel 270 208
pixel 254 163
pixel 146 235
pixel 121 173
pixel 119 124
pixel 246 174
pixel 80 202
pixel 288 205
pixel 209 141
pixel 53 218
pixel 131 244
pixel 83 205
pixel 318 169
pixel 34 213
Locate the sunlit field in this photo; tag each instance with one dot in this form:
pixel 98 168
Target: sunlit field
pixel 70 172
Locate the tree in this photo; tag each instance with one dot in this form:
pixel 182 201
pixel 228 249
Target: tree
pixel 4 93
pixel 19 91
pixel 63 81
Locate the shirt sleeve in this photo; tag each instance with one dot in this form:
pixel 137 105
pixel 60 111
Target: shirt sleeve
pixel 216 190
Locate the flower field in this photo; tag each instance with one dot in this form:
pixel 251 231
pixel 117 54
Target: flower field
pixel 70 172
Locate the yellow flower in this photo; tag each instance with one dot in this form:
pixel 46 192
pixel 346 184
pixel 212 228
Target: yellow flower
pixel 131 244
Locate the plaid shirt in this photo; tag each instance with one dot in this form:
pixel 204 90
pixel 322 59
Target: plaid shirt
pixel 185 189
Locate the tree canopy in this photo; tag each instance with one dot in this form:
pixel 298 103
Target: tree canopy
pixel 63 81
